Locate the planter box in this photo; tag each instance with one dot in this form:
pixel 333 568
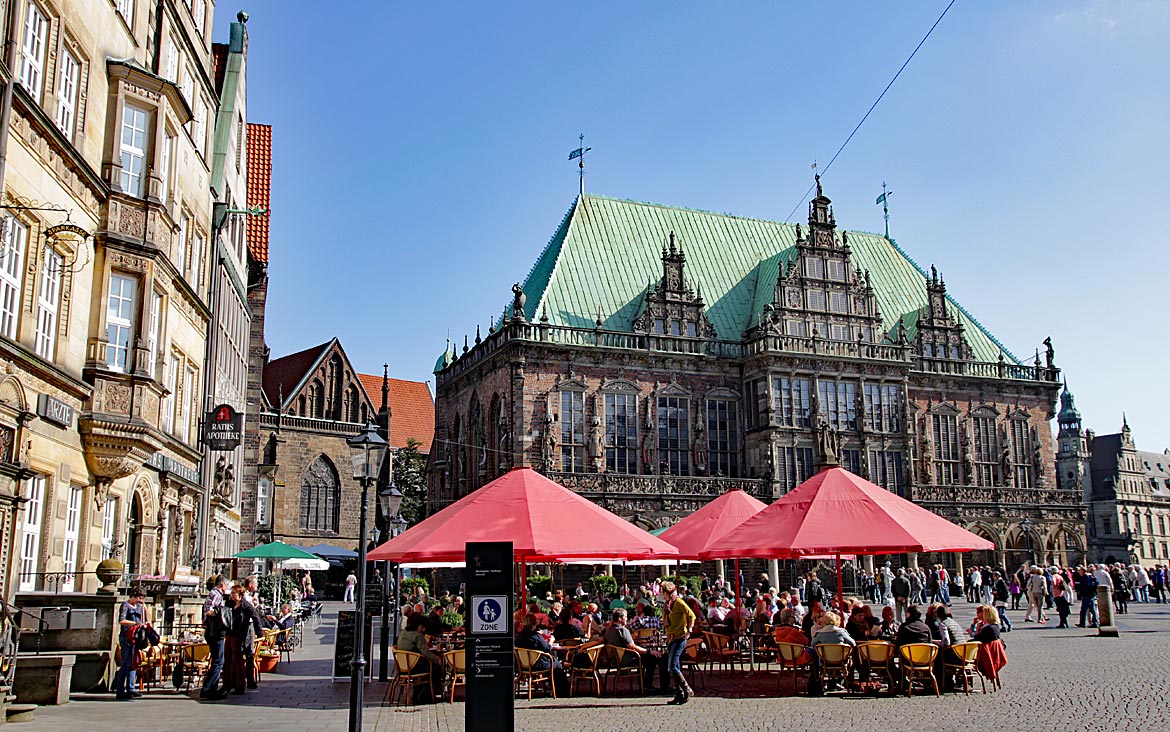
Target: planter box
pixel 267 664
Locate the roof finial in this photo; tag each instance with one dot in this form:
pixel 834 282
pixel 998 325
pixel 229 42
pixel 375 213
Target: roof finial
pixel 1124 423
pixel 672 249
pixel 884 200
pixel 598 322
pixel 579 153
pixel 385 386
pixel 478 340
pixel 465 343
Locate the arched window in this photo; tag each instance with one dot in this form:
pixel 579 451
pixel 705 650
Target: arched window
pixel 352 404
pixel 320 496
pixel 317 400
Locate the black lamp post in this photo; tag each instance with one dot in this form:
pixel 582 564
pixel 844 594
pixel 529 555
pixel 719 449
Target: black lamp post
pixel 389 500
pixel 368 450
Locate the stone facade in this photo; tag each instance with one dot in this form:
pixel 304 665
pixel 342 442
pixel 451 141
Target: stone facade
pixel 106 189
pixel 653 419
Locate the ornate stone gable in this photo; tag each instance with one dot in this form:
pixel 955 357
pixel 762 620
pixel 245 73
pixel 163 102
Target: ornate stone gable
pixel 819 291
pixel 330 389
pixel 939 334
pixel 672 307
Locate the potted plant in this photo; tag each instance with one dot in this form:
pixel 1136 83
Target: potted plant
pixel 266 660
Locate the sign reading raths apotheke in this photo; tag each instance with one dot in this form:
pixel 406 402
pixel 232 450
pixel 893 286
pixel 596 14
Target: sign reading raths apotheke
pixel 223 429
pixel 54 410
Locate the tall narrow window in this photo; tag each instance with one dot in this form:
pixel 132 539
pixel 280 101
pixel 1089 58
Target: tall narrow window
pixel 946 449
pixel 200 125
pixel 795 465
pixel 180 255
pixel 885 469
pixel 195 274
pixel 30 534
pixel 722 438
pixel 189 407
pixel 173 60
pixel 152 333
pixel 164 166
pixel 851 460
pixel 109 519
pixel 126 10
pixel 572 431
pixel 69 77
pixel 983 449
pixel 621 433
pixel 172 398
pixel 1022 453
pixel 72 524
pixel 32 51
pixel 120 322
pixel 791 398
pixel 11 275
pixel 674 435
pixel 48 300
pixel 751 401
pixel 839 404
pixel 133 149
pixel 320 496
pixel 263 491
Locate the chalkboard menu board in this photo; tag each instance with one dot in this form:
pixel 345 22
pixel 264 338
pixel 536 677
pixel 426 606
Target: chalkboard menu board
pixel 343 644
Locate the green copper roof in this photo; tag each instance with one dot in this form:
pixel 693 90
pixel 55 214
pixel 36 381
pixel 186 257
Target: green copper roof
pixel 607 251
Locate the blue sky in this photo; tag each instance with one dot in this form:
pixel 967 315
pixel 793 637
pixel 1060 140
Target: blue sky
pixel 420 157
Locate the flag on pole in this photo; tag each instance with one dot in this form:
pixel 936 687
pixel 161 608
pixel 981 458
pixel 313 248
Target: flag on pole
pixel 880 199
pixel 579 152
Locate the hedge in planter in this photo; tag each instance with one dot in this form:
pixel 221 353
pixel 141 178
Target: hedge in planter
pixel 603 584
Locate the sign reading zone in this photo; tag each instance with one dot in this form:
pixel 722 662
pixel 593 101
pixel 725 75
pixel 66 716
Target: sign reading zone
pixel 489 614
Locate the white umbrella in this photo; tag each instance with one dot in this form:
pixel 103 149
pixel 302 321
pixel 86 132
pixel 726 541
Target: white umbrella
pixel 316 565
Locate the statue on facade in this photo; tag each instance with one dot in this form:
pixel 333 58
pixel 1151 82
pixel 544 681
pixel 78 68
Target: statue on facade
pixel 1007 474
pixel 648 445
pixel 596 442
pixel 927 452
pixel 968 454
pixel 518 300
pixel 1049 353
pixel 859 410
pixel 770 462
pixel 1038 464
pixel 828 452
pixel 503 445
pixel 548 449
pixel 699 447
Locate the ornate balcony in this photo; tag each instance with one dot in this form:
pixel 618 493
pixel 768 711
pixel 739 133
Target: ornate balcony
pixel 601 485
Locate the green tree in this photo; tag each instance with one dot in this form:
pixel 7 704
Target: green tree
pixel 410 476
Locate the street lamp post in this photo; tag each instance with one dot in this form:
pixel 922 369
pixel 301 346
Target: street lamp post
pixel 368 450
pixel 389 500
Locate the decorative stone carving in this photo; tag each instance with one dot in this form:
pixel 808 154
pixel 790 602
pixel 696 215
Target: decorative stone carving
pixel 548 452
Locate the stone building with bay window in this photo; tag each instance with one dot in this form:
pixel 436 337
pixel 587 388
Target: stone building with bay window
pixel 107 213
pixel 655 357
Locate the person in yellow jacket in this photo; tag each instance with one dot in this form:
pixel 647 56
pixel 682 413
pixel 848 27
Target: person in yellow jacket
pixel 680 620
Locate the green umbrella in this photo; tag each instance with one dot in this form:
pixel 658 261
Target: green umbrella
pixel 276 550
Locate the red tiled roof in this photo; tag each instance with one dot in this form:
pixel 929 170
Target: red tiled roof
pixel 259 144
pixel 288 371
pixel 219 55
pixel 412 410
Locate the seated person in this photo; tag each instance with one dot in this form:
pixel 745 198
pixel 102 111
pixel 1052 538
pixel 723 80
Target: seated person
pixel 530 637
pixel 830 633
pixel 913 630
pixel 617 634
pixel 717 617
pixel 434 625
pixel 787 631
pixel 542 619
pixel 286 620
pixel 412 639
pixel 888 630
pixel 645 617
pixel 568 628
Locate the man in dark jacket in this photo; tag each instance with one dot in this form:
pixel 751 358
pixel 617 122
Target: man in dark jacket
pixel 913 630
pixel 901 589
pixel 1086 585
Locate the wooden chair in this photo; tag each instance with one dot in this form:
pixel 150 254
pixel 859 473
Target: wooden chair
pixel 792 657
pixel 877 658
pixel 835 661
pixel 526 660
pixel 579 671
pixel 195 662
pixel 720 651
pixel 407 674
pixel 692 660
pixel 457 662
pixel 618 667
pixel 962 663
pixel 282 642
pixel 917 660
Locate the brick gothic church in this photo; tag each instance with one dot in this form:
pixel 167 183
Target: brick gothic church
pixel 656 357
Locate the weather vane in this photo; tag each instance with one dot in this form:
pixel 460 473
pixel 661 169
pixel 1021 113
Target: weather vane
pixel 884 200
pixel 579 154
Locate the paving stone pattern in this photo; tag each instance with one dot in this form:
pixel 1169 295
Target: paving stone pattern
pixel 1055 680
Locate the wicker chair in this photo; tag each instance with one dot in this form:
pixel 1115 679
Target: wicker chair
pixel 836 659
pixel 692 660
pixel 408 675
pixel 917 661
pixel 526 660
pixel 720 651
pixel 877 658
pixel 457 662
pixel 962 663
pixel 791 657
pixel 616 668
pixel 587 671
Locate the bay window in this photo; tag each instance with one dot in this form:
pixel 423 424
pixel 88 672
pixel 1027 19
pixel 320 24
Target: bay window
pixel 133 148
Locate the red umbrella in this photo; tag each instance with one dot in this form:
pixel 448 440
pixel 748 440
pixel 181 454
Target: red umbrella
pixel 693 534
pixel 545 522
pixel 836 512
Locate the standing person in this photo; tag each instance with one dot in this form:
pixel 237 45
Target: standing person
pixel 680 620
pixel 246 625
pixel 1143 584
pixel 1060 592
pixel 130 615
pixel 901 589
pixel 1120 590
pixel 974 582
pixel 944 583
pixel 1000 592
pixel 1016 590
pixel 1158 580
pixel 233 654
pixel 350 584
pixel 1086 587
pixel 1037 588
pixel 216 622
pixel 887 580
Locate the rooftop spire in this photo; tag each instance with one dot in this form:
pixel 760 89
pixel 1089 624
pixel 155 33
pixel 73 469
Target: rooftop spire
pixel 385 387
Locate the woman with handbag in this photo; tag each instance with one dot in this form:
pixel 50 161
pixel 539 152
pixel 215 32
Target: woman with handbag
pixel 131 616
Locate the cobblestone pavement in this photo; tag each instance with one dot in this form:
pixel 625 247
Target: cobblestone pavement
pixel 1055 680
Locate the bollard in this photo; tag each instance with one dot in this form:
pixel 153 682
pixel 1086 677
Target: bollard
pixel 1105 628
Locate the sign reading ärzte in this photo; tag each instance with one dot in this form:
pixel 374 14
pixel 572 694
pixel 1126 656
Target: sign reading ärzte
pixel 223 429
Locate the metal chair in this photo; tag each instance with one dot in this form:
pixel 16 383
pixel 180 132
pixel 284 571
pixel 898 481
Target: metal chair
pixel 877 658
pixel 792 657
pixel 457 662
pixel 526 660
pixel 917 660
pixel 587 670
pixel 961 662
pixel 835 661
pixel 407 676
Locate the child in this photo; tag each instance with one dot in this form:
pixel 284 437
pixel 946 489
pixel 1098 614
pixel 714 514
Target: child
pixel 1016 591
